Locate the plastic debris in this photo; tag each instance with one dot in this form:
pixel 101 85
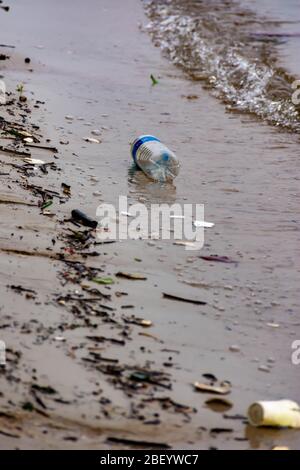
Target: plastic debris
pixel 202 223
pixel 34 161
pixel 103 280
pixel 83 219
pixel 157 161
pixel 282 413
pixel 92 140
pixel 223 389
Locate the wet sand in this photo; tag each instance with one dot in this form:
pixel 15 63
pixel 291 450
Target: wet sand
pixel 95 63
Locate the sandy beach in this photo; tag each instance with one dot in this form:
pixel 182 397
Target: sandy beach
pixel 81 375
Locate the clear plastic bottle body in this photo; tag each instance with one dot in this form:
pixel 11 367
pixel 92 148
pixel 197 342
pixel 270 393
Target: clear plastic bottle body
pixel 155 159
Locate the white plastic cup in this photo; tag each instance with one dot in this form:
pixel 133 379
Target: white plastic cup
pixel 282 413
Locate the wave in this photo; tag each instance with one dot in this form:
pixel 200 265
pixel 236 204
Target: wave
pixel 216 41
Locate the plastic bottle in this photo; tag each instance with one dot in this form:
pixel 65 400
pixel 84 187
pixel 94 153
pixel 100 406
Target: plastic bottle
pixel 155 159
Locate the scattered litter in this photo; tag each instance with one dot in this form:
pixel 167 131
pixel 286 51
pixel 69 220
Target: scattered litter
pixel 21 289
pixel 92 140
pixel 153 79
pixel 183 299
pixel 34 161
pixel 184 243
pixel 66 189
pixel 138 321
pixel 219 259
pixel 44 389
pixel 42 147
pixel 202 223
pixel 83 219
pixel 223 389
pixel 273 325
pixel 17 201
pixel 132 442
pixel 282 413
pixel 46 205
pixel 102 339
pixel 221 431
pixel 132 276
pixel 155 159
pixel 106 281
pixel 148 335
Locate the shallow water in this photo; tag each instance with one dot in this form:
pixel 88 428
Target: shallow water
pixel 287 15
pixel 229 47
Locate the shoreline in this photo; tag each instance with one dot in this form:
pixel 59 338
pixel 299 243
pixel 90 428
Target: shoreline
pixel 89 405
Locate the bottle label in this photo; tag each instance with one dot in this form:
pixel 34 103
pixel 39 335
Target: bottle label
pixel 142 140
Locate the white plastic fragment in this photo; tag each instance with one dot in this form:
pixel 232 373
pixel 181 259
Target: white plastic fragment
pixel 91 140
pixel 34 161
pixel 203 224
